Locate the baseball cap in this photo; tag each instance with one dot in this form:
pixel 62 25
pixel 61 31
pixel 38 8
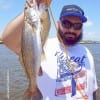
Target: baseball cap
pixel 73 10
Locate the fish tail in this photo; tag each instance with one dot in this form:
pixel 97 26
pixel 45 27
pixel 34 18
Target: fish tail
pixel 29 95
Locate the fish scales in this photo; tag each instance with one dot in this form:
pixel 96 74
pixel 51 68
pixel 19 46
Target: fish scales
pixel 35 33
pixel 31 51
pixel 45 21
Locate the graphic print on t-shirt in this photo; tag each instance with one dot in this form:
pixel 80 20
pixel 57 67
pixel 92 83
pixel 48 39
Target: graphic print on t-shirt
pixel 64 76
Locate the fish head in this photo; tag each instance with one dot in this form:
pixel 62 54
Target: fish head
pixel 31 13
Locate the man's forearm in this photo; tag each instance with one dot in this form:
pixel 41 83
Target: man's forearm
pixel 12 33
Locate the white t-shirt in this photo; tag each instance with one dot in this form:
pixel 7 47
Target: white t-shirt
pixel 56 81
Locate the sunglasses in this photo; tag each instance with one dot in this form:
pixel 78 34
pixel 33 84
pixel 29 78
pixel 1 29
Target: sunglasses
pixel 67 24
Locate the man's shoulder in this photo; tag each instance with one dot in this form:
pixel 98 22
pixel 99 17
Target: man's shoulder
pixel 80 46
pixel 83 48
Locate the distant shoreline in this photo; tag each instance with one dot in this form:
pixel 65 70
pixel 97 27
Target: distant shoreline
pixel 82 42
pixel 89 43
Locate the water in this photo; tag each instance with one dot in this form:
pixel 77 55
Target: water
pixel 95 50
pixel 13 81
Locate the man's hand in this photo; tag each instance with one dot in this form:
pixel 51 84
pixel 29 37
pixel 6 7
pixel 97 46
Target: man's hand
pixel 47 2
pixel 32 2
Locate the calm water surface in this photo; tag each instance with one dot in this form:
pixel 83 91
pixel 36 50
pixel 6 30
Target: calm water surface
pixel 13 81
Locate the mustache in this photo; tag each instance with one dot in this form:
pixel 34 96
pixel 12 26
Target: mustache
pixel 68 41
pixel 72 33
pixel 60 32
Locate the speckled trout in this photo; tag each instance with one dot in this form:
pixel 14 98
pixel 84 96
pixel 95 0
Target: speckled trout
pixel 45 21
pixel 34 36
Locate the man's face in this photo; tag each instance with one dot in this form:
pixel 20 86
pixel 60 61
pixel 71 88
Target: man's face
pixel 70 30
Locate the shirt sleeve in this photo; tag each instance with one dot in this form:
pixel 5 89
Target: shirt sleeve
pixel 95 85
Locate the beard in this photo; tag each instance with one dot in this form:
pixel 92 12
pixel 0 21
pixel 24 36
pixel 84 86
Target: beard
pixel 68 40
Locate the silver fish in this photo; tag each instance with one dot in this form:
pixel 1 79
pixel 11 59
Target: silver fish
pixel 45 21
pixel 31 48
pixel 45 25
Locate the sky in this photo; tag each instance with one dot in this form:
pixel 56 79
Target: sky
pixel 9 9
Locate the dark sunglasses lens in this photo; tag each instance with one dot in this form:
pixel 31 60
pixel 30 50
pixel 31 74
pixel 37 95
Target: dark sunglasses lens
pixel 66 24
pixel 77 26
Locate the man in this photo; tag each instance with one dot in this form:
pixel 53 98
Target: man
pixel 69 67
pixel 68 70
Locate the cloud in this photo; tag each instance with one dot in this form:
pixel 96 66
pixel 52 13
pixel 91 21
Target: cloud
pixel 88 23
pixel 91 36
pixel 4 5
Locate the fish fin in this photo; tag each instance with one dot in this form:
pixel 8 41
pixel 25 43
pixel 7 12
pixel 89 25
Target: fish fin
pixel 20 59
pixel 40 73
pixel 22 63
pixel 29 95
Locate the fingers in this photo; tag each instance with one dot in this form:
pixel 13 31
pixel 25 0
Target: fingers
pixel 30 3
pixel 47 2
